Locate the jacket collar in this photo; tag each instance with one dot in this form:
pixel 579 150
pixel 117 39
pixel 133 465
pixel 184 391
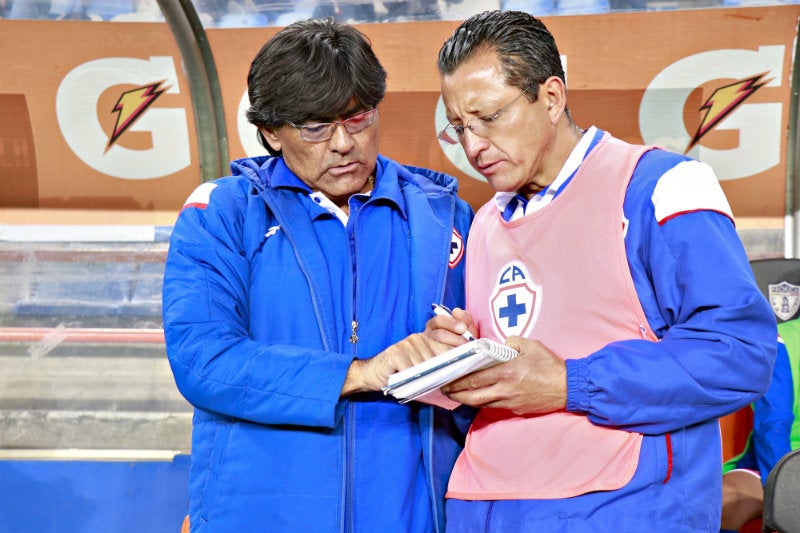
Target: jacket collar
pixel 272 172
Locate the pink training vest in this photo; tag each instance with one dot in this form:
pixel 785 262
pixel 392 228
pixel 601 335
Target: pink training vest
pixel 559 275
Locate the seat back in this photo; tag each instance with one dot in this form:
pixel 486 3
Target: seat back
pixel 782 496
pixel 779 281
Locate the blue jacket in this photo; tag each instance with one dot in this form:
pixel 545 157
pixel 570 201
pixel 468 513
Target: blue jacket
pixel 267 300
pixel 715 355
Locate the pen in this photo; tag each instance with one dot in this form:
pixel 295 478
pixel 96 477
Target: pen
pixel 439 309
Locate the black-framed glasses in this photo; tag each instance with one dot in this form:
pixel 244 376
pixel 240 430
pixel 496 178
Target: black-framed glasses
pixel 322 131
pixel 481 126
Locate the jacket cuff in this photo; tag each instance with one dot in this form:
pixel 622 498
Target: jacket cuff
pixel 577 385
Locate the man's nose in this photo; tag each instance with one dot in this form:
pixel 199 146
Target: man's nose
pixel 473 143
pixel 341 140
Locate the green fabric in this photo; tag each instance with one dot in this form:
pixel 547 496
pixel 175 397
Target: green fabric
pixel 731 463
pixel 790 332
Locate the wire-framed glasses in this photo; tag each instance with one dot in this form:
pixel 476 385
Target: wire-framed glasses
pixel 481 126
pixel 322 131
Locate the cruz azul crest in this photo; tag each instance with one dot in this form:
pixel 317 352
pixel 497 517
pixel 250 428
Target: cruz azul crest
pixel 785 299
pixel 456 248
pixel 515 301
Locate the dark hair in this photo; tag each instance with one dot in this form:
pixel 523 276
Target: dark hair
pixel 526 48
pixel 312 70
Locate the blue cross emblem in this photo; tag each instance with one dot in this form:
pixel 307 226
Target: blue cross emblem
pixel 512 310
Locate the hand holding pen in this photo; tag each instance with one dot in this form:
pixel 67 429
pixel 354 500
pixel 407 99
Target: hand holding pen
pixel 439 309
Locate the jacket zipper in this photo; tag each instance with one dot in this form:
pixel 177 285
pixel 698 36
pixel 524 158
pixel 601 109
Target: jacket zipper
pixel 351 411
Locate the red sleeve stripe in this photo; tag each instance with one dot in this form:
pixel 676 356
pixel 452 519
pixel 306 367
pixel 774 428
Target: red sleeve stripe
pixel 200 196
pixel 195 204
pixel 662 221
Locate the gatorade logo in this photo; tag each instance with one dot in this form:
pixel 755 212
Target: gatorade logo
pixel 97 136
pixel 736 75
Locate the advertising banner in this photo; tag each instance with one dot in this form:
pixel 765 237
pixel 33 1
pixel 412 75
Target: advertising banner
pixel 94 116
pixel 99 115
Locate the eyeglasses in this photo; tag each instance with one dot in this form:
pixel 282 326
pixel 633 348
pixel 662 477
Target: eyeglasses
pixel 481 126
pixel 322 131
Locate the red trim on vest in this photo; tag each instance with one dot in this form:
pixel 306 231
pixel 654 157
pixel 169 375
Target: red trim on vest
pixel 668 438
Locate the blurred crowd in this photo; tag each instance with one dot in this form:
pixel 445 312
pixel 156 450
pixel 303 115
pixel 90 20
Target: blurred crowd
pixel 258 13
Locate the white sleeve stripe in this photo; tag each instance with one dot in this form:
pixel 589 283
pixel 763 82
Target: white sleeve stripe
pixel 200 196
pixel 688 187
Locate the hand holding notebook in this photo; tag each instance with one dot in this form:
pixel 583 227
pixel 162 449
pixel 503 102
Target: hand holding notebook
pixel 422 381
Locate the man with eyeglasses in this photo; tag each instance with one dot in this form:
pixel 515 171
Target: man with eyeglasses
pixel 294 288
pixel 617 273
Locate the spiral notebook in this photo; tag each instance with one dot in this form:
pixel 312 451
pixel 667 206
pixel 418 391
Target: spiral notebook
pixel 421 382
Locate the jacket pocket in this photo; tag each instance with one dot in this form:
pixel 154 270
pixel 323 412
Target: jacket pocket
pixel 656 458
pixel 213 466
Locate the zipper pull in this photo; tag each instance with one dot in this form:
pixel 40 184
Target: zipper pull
pixel 354 336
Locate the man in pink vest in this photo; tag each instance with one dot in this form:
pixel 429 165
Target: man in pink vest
pixel 617 273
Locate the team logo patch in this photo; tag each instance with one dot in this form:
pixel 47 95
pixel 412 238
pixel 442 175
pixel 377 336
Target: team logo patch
pixel 515 301
pixel 785 299
pixel 456 248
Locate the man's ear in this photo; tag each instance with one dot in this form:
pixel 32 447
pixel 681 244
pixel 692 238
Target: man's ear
pixel 269 140
pixel 554 93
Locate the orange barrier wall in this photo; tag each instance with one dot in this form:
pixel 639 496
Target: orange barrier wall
pixel 98 115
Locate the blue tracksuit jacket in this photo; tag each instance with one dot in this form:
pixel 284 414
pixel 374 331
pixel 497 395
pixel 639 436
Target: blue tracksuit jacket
pixel 265 293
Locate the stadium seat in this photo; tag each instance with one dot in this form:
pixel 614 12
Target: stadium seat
pixel 782 496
